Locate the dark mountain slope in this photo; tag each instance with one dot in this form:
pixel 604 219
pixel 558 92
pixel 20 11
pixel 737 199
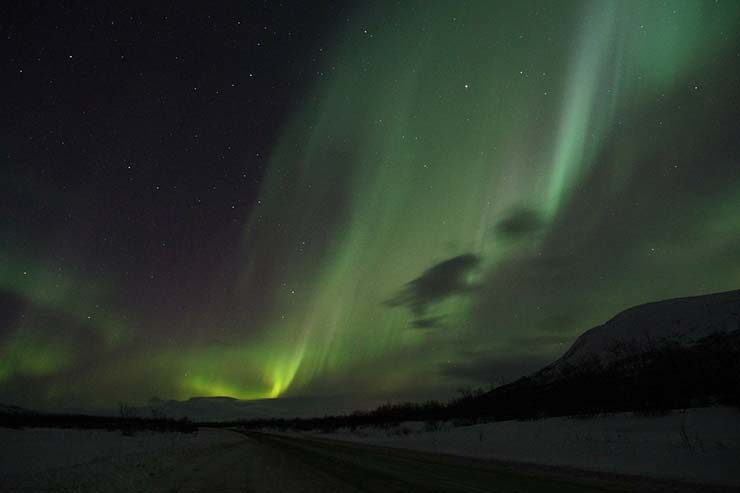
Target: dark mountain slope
pixel 653 357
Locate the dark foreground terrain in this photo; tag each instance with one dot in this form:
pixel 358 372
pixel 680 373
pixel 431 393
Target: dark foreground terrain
pixel 237 460
pixel 266 462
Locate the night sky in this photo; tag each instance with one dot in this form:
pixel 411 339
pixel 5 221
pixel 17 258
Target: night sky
pixel 267 199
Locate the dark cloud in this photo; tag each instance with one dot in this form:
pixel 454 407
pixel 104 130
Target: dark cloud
pixel 445 279
pixel 428 323
pixel 520 222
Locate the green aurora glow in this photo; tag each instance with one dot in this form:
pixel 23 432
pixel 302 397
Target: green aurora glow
pixel 558 144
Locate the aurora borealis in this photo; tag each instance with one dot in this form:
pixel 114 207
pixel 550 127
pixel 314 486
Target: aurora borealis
pixel 390 199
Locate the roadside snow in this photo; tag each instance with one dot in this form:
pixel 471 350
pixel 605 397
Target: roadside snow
pixel 96 460
pixel 699 445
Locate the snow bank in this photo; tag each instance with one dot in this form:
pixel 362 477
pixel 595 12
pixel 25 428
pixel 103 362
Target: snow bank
pixel 699 445
pixel 96 460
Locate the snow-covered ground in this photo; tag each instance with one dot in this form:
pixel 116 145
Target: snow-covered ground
pixel 701 445
pixel 96 460
pixel 698 445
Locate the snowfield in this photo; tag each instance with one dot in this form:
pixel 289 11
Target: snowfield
pixel 700 445
pixel 96 460
pixel 697 445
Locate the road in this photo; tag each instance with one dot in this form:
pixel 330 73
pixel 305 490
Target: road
pixel 261 462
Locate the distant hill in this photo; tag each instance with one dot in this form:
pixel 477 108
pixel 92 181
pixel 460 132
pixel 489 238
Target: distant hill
pixel 229 409
pixel 15 410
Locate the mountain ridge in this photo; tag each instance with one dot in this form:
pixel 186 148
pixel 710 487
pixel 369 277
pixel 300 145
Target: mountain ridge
pixel 649 326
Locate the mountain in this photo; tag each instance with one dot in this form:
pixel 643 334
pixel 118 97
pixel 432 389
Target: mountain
pixel 670 354
pixel 650 327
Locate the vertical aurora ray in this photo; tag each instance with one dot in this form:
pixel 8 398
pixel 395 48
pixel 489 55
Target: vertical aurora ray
pixel 641 49
pixel 585 110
